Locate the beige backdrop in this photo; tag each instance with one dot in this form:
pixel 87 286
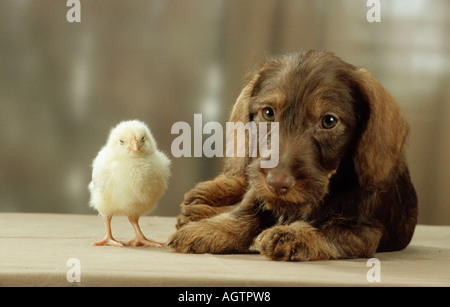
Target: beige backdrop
pixel 63 85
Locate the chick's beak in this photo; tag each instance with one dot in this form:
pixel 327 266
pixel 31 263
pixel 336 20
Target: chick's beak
pixel 134 145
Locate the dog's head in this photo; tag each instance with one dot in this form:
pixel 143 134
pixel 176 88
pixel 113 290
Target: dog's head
pixel 334 120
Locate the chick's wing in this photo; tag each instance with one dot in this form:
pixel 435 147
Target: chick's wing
pixel 101 170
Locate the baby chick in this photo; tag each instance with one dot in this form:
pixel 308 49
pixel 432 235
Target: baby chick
pixel 129 175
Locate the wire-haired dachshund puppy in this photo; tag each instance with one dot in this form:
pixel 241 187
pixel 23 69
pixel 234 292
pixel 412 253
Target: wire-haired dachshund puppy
pixel 341 189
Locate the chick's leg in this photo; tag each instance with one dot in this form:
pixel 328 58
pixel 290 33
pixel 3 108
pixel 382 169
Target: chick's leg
pixel 108 240
pixel 140 239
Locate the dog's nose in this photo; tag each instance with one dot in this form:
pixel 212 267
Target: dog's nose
pixel 279 183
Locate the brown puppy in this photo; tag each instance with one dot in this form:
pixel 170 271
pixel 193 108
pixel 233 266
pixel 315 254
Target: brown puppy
pixel 341 188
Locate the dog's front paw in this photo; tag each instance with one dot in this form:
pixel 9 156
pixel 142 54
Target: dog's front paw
pixel 291 243
pixel 191 213
pixel 194 207
pixel 196 211
pixel 217 235
pixel 193 238
pixel 198 205
pixel 281 243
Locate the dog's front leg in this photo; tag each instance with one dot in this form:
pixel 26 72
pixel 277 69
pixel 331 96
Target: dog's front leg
pixel 231 232
pixel 210 198
pixel 300 241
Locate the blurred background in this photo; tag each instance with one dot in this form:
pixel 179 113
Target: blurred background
pixel 64 85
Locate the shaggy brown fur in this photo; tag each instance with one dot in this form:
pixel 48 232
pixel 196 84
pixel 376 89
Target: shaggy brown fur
pixel 341 188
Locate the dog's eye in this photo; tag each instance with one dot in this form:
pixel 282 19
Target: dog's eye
pixel 268 114
pixel 329 121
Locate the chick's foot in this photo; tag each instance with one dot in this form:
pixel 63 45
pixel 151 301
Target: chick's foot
pixel 108 241
pixel 140 239
pixel 144 242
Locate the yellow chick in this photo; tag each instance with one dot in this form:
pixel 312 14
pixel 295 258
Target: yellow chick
pixel 129 175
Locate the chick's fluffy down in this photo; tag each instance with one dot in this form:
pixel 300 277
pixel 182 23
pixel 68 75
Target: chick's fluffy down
pixel 128 185
pixel 132 187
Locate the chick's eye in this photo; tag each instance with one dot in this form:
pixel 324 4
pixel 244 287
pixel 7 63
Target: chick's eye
pixel 268 114
pixel 329 121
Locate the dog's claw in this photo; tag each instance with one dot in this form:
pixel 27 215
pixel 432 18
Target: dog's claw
pixel 184 212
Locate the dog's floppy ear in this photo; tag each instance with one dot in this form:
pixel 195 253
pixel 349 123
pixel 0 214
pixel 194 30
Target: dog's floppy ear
pixel 379 153
pixel 235 166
